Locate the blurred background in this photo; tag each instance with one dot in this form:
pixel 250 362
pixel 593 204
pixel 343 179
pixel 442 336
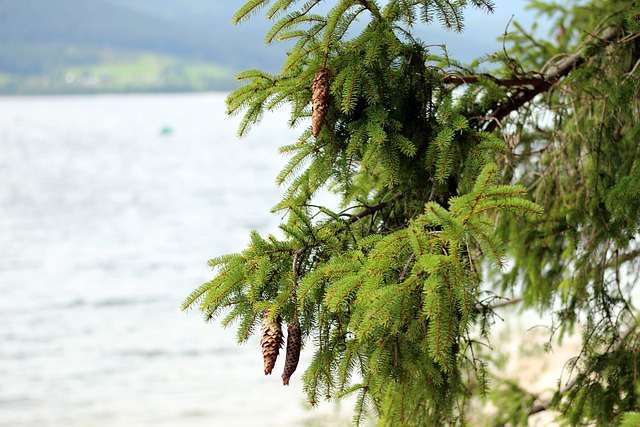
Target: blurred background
pixel 120 175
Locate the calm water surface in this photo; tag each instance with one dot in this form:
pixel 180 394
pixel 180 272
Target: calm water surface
pixel 106 224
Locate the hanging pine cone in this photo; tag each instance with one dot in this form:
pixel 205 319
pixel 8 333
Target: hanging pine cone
pixel 320 99
pixel 294 344
pixel 270 342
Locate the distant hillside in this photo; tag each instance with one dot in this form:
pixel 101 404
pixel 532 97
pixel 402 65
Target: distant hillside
pixel 241 46
pixel 185 28
pixel 54 46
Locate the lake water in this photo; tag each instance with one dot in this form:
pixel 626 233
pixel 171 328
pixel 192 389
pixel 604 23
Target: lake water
pixel 106 224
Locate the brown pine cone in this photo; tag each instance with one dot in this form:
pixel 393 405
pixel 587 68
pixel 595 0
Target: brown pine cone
pixel 270 342
pixel 294 344
pixel 320 100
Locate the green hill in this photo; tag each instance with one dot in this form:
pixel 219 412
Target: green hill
pixel 58 46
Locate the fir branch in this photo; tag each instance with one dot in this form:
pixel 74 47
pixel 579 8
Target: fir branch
pixel 388 289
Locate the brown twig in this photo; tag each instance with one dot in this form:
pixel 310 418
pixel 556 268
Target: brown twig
pixel 370 210
pixel 295 270
pixel 507 303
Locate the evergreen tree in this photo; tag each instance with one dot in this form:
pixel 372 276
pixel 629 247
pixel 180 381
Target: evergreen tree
pixel 446 171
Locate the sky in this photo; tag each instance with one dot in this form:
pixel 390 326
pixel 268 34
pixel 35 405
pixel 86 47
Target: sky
pixel 481 33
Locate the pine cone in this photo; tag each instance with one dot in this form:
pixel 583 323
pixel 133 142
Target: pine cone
pixel 294 344
pixel 320 99
pixel 270 342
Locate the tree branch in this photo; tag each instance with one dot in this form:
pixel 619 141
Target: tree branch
pixel 458 79
pixel 506 303
pixel 546 405
pixel 622 258
pixel 370 210
pixel 371 7
pixel 561 69
pixel 367 211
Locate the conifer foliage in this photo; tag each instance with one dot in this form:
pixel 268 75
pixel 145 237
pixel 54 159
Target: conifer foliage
pixel 444 173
